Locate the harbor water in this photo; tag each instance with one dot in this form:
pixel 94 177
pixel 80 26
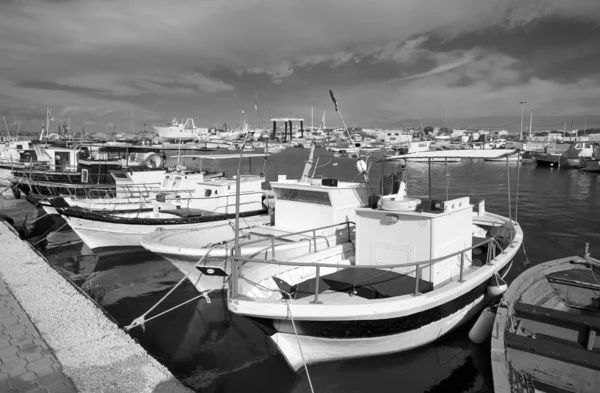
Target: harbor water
pixel 212 350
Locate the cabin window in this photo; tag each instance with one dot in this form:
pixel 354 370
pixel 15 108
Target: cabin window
pixel 166 182
pixel 120 175
pixel 20 147
pixel 177 182
pixel 84 175
pixel 306 196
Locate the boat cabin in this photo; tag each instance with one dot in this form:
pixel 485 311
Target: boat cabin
pixel 316 203
pixel 414 232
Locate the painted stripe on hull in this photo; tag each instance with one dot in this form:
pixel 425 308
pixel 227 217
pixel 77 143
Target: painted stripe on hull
pixel 374 327
pixel 319 349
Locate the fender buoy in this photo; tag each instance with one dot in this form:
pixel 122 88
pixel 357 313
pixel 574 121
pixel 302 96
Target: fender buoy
pixel 483 326
pixel 153 161
pixel 16 192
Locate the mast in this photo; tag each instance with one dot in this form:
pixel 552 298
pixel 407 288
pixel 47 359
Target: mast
pixel 132 129
pixel 308 165
pixel 530 121
pixel 7 130
pixel 312 125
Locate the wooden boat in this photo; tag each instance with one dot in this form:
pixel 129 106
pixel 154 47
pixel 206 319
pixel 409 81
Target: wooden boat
pixel 544 334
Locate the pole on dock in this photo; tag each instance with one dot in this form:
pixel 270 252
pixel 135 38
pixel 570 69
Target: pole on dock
pixel 429 172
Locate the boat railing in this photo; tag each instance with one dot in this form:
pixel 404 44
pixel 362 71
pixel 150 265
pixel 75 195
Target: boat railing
pixel 43 167
pixel 493 250
pixel 227 205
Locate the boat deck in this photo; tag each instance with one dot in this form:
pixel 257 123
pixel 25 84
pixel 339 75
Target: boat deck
pixel 360 284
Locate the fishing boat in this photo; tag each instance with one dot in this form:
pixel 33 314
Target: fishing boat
pixel 212 204
pixel 414 270
pixel 544 334
pixel 571 156
pixel 75 171
pixel 301 204
pixel 175 131
pixel 176 188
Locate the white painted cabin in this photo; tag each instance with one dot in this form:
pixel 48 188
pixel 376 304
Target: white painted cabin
pixel 386 237
pixel 314 204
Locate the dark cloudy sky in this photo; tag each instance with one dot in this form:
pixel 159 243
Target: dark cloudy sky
pixel 463 62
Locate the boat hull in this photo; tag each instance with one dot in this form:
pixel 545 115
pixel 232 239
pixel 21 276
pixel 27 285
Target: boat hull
pixel 544 159
pixel 99 234
pixel 319 349
pixel 173 134
pixel 340 329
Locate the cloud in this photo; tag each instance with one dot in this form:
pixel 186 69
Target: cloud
pixel 165 57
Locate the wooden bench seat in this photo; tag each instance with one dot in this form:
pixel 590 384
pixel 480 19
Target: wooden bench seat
pixel 554 350
pixel 549 315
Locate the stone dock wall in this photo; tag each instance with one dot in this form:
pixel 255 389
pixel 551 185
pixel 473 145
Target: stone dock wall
pixel 95 355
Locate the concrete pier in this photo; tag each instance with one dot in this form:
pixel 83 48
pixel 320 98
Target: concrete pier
pixel 56 339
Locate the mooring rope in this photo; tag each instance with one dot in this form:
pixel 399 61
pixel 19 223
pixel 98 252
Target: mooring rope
pixel 141 319
pixel 43 237
pixel 299 345
pixel 517 195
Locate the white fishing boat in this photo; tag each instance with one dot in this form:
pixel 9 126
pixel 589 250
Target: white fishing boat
pixel 301 204
pixel 178 188
pixel 415 270
pixel 213 201
pixel 99 230
pixel 180 132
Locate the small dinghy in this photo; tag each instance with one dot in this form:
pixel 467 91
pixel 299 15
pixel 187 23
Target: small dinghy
pixel 544 335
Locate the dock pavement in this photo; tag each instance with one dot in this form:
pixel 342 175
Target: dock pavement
pixel 54 338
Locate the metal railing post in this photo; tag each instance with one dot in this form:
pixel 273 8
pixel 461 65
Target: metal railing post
pixel 272 248
pixel 348 228
pixel 316 301
pixel 315 239
pixel 234 276
pixel 417 278
pixel 462 264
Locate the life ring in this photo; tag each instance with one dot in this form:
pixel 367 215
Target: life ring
pixel 16 192
pixel 388 202
pixel 153 161
pixel 26 156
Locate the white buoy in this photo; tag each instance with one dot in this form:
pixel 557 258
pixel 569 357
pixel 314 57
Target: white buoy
pixel 361 166
pixel 483 326
pixel 496 290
